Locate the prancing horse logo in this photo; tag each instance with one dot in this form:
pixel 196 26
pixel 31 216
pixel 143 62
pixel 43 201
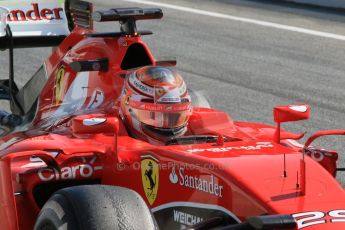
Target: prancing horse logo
pixel 150 178
pixel 59 87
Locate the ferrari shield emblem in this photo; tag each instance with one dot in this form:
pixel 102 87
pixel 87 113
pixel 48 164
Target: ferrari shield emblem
pixel 159 92
pixel 150 178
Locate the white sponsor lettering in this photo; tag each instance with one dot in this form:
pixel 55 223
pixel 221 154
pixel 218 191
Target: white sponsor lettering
pixel 186 218
pixel 258 146
pixel 36 18
pixel 206 184
pixel 307 219
pixel 200 206
pixel 67 173
pixel 35 14
pixel 170 99
pixel 139 86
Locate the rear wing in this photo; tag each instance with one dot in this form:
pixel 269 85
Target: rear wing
pixel 35 23
pixel 41 23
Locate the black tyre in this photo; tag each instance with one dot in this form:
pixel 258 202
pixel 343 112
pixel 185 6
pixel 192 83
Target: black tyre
pixel 95 207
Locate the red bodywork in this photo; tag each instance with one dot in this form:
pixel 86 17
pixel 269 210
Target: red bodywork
pixel 240 175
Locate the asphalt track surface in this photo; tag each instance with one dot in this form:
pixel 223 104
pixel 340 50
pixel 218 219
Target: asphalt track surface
pixel 245 68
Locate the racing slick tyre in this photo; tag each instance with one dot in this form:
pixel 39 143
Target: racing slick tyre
pixel 95 207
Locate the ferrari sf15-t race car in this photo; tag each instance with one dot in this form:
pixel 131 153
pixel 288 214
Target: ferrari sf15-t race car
pixel 67 160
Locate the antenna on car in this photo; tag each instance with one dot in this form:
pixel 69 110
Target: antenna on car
pixel 288 114
pixel 127 18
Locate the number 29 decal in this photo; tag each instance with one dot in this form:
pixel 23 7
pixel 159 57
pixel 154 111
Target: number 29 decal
pixel 306 219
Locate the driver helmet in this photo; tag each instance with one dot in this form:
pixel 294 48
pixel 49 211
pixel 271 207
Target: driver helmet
pixel 155 105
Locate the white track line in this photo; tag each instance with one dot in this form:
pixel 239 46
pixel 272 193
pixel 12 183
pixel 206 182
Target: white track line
pixel 241 19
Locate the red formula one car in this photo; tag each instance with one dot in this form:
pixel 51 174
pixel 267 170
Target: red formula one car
pixel 67 160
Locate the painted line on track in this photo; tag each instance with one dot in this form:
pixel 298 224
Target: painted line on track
pixel 242 19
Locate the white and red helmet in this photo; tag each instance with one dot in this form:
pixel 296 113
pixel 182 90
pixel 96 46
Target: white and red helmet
pixel 155 104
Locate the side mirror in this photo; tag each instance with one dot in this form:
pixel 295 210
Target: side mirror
pixel 94 123
pixel 289 113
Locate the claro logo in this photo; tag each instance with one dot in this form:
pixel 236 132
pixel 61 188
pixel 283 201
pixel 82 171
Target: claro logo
pixel 85 170
pixel 35 14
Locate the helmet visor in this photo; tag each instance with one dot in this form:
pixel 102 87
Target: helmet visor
pixel 162 115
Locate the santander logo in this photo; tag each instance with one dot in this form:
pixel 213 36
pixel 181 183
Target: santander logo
pixel 35 14
pixel 205 183
pixel 173 176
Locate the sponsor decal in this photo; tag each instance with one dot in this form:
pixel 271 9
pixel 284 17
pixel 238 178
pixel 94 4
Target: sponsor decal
pixel 96 100
pixel 257 146
pixel 127 100
pixel 139 86
pixel 36 17
pixel 59 84
pixel 307 219
pixel 205 183
pixel 182 214
pixel 85 170
pixel 316 154
pixel 36 13
pixel 150 177
pixel 186 218
pixel 166 94
pixel 160 107
pixel 170 99
pixel 159 92
pixel 173 176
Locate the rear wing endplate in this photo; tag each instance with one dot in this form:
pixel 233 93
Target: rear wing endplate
pixel 37 23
